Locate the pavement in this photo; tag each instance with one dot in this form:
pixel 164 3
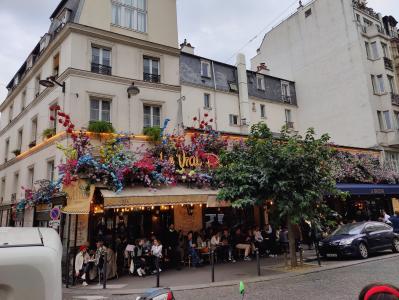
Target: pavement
pixel 190 282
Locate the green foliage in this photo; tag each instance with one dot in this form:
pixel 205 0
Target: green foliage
pixel 48 133
pixel 100 127
pixel 154 133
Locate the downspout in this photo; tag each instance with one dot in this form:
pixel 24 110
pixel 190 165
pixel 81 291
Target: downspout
pixel 243 94
pixel 214 96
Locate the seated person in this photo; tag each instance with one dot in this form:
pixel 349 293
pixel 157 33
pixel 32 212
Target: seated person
pixel 226 247
pixel 156 252
pixel 139 258
pixel 259 241
pixel 191 246
pixel 239 241
pixel 82 265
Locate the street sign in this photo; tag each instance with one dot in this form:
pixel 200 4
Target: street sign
pixel 55 213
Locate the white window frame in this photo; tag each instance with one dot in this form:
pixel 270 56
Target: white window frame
pixel 10 113
pixel 396 115
pixel 128 15
pixel 368 49
pixel 233 120
pixel 387 119
pixel 152 116
pixel 31 176
pixel 374 50
pixel 101 55
pixel 23 100
pixel 263 111
pixel 34 129
pixel 6 149
pixel 100 109
pixel 50 169
pixel 288 116
pixel 391 84
pixel 385 50
pixel 151 61
pixel 208 68
pixel 261 86
pixel 20 138
pixel 380 84
pixel 37 85
pixel 207 101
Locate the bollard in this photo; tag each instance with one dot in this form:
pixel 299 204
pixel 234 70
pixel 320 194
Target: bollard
pixel 213 265
pixel 157 266
pixel 105 271
pixel 316 246
pixel 257 261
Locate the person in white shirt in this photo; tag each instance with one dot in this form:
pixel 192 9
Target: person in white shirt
pixel 82 266
pixel 386 217
pixel 156 251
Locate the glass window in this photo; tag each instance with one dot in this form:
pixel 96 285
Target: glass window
pixel 100 110
pixel 50 170
pixel 262 111
pixel 151 69
pixel 10 113
pixel 130 14
pixel 351 229
pixel 385 50
pixel 260 82
pixel 205 69
pixel 387 118
pixel 374 83
pixel 207 101
pixel 34 130
pixel 380 120
pixel 152 116
pixel 233 119
pixel 288 118
pixel 6 149
pixel 23 100
pixel 31 177
pixel 381 86
pixel 374 48
pixel 308 12
pixel 20 136
pixel 367 45
pixel 392 87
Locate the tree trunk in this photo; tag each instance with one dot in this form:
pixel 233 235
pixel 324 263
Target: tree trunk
pixel 292 244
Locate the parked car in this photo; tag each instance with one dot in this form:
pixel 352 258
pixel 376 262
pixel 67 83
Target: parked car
pixel 157 294
pixel 30 264
pixel 359 240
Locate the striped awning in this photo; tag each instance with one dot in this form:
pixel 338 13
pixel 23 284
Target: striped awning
pixel 140 196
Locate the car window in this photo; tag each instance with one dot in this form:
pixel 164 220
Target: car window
pixel 380 227
pixel 350 229
pixel 371 228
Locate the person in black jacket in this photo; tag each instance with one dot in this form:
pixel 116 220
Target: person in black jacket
pixel 239 241
pixel 171 244
pixel 139 258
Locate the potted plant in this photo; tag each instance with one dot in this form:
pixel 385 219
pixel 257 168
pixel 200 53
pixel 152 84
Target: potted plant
pixel 101 127
pixel 16 152
pixel 48 133
pixel 154 133
pixel 32 144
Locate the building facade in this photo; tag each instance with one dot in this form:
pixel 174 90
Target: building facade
pixel 88 61
pixel 340 55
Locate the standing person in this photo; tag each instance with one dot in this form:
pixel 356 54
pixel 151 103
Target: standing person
pixel 259 241
pixel 99 257
pixel 395 222
pixel 171 244
pixel 82 265
pixel 191 246
pixel 156 252
pixel 283 240
pixel 138 258
pixel 240 242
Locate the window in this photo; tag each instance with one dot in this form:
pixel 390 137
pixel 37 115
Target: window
pixel 3 190
pixel 233 86
pixel 233 120
pixel 392 87
pixel 367 44
pixel 396 114
pixel 37 85
pixel 207 101
pixel 260 82
pixel 385 50
pixel 50 170
pixel 381 87
pixel 16 183
pixel 56 65
pixel 34 130
pixel 374 83
pixel 387 117
pixel 101 60
pixel 6 149
pixel 31 177
pixel 358 18
pixel 308 12
pixel 23 100
pixel 205 69
pixel 130 14
pixel 53 117
pixel 19 142
pixel 100 110
pixel 152 116
pixel 288 119
pixel 380 120
pixel 151 69
pixel 374 49
pixel 262 111
pixel 285 91
pixel 367 22
pixel 10 113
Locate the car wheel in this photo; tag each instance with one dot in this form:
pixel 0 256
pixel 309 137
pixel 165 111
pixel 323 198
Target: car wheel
pixel 363 251
pixel 395 245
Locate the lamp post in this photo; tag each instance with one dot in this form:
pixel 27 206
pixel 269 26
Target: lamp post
pixel 132 90
pixel 51 81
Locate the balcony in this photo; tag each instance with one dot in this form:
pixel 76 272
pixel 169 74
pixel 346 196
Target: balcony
pixel 388 63
pixel 290 125
pixel 151 77
pixel 395 98
pixel 101 69
pixel 363 7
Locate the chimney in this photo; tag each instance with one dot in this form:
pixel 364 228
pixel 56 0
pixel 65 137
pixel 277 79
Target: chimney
pixel 186 47
pixel 263 69
pixel 243 92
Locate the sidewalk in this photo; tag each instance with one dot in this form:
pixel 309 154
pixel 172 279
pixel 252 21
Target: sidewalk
pixel 225 275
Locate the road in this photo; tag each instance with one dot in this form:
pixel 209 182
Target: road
pixel 342 283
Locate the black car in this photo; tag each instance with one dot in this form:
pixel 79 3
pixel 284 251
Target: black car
pixel 359 239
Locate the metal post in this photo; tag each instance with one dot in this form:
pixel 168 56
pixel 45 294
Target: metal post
pixel 316 246
pixel 74 246
pixel 105 270
pixel 213 264
pixel 300 255
pixel 257 261
pixel 157 266
pixel 67 252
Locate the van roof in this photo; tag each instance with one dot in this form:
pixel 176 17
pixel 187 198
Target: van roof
pixel 15 237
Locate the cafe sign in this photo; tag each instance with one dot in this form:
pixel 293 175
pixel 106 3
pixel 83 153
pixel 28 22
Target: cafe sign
pixel 195 161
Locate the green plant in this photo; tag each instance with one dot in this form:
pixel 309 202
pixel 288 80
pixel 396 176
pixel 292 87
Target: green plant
pixel 101 127
pixel 16 152
pixel 154 133
pixel 48 133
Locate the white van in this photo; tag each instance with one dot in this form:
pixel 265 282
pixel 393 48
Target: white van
pixel 30 264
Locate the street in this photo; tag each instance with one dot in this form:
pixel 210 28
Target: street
pixel 340 283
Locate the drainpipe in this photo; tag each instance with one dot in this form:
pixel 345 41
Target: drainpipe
pixel 214 96
pixel 245 118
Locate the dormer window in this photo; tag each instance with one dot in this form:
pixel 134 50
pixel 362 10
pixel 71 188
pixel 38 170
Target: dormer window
pixel 44 42
pixel 205 69
pixel 131 14
pixel 260 82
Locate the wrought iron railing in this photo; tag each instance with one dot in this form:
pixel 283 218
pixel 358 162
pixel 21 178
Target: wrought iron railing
pixel 101 69
pixel 286 99
pixel 388 63
pixel 395 98
pixel 290 125
pixel 151 77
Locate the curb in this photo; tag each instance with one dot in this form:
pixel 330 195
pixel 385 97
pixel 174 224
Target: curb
pixel 292 274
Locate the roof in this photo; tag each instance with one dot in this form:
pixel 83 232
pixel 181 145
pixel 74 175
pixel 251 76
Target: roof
pixel 58 8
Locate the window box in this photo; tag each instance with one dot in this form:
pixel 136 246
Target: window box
pixel 101 127
pixel 48 133
pixel 16 152
pixel 32 144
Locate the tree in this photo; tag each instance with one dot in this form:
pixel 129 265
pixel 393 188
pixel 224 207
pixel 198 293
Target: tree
pixel 292 170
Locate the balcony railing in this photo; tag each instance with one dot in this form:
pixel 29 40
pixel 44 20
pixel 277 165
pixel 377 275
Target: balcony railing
pixel 388 63
pixel 395 98
pixel 286 99
pixel 290 125
pixel 101 69
pixel 362 6
pixel 151 77
pixel 14 198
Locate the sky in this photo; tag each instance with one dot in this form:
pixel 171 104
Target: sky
pixel 218 29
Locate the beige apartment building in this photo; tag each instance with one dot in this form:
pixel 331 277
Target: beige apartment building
pixel 95 53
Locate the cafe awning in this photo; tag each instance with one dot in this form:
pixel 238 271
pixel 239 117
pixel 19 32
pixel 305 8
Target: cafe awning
pixel 79 195
pixel 370 189
pixel 82 208
pixel 141 196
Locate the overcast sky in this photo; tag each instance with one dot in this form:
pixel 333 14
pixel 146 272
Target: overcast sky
pixel 217 28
